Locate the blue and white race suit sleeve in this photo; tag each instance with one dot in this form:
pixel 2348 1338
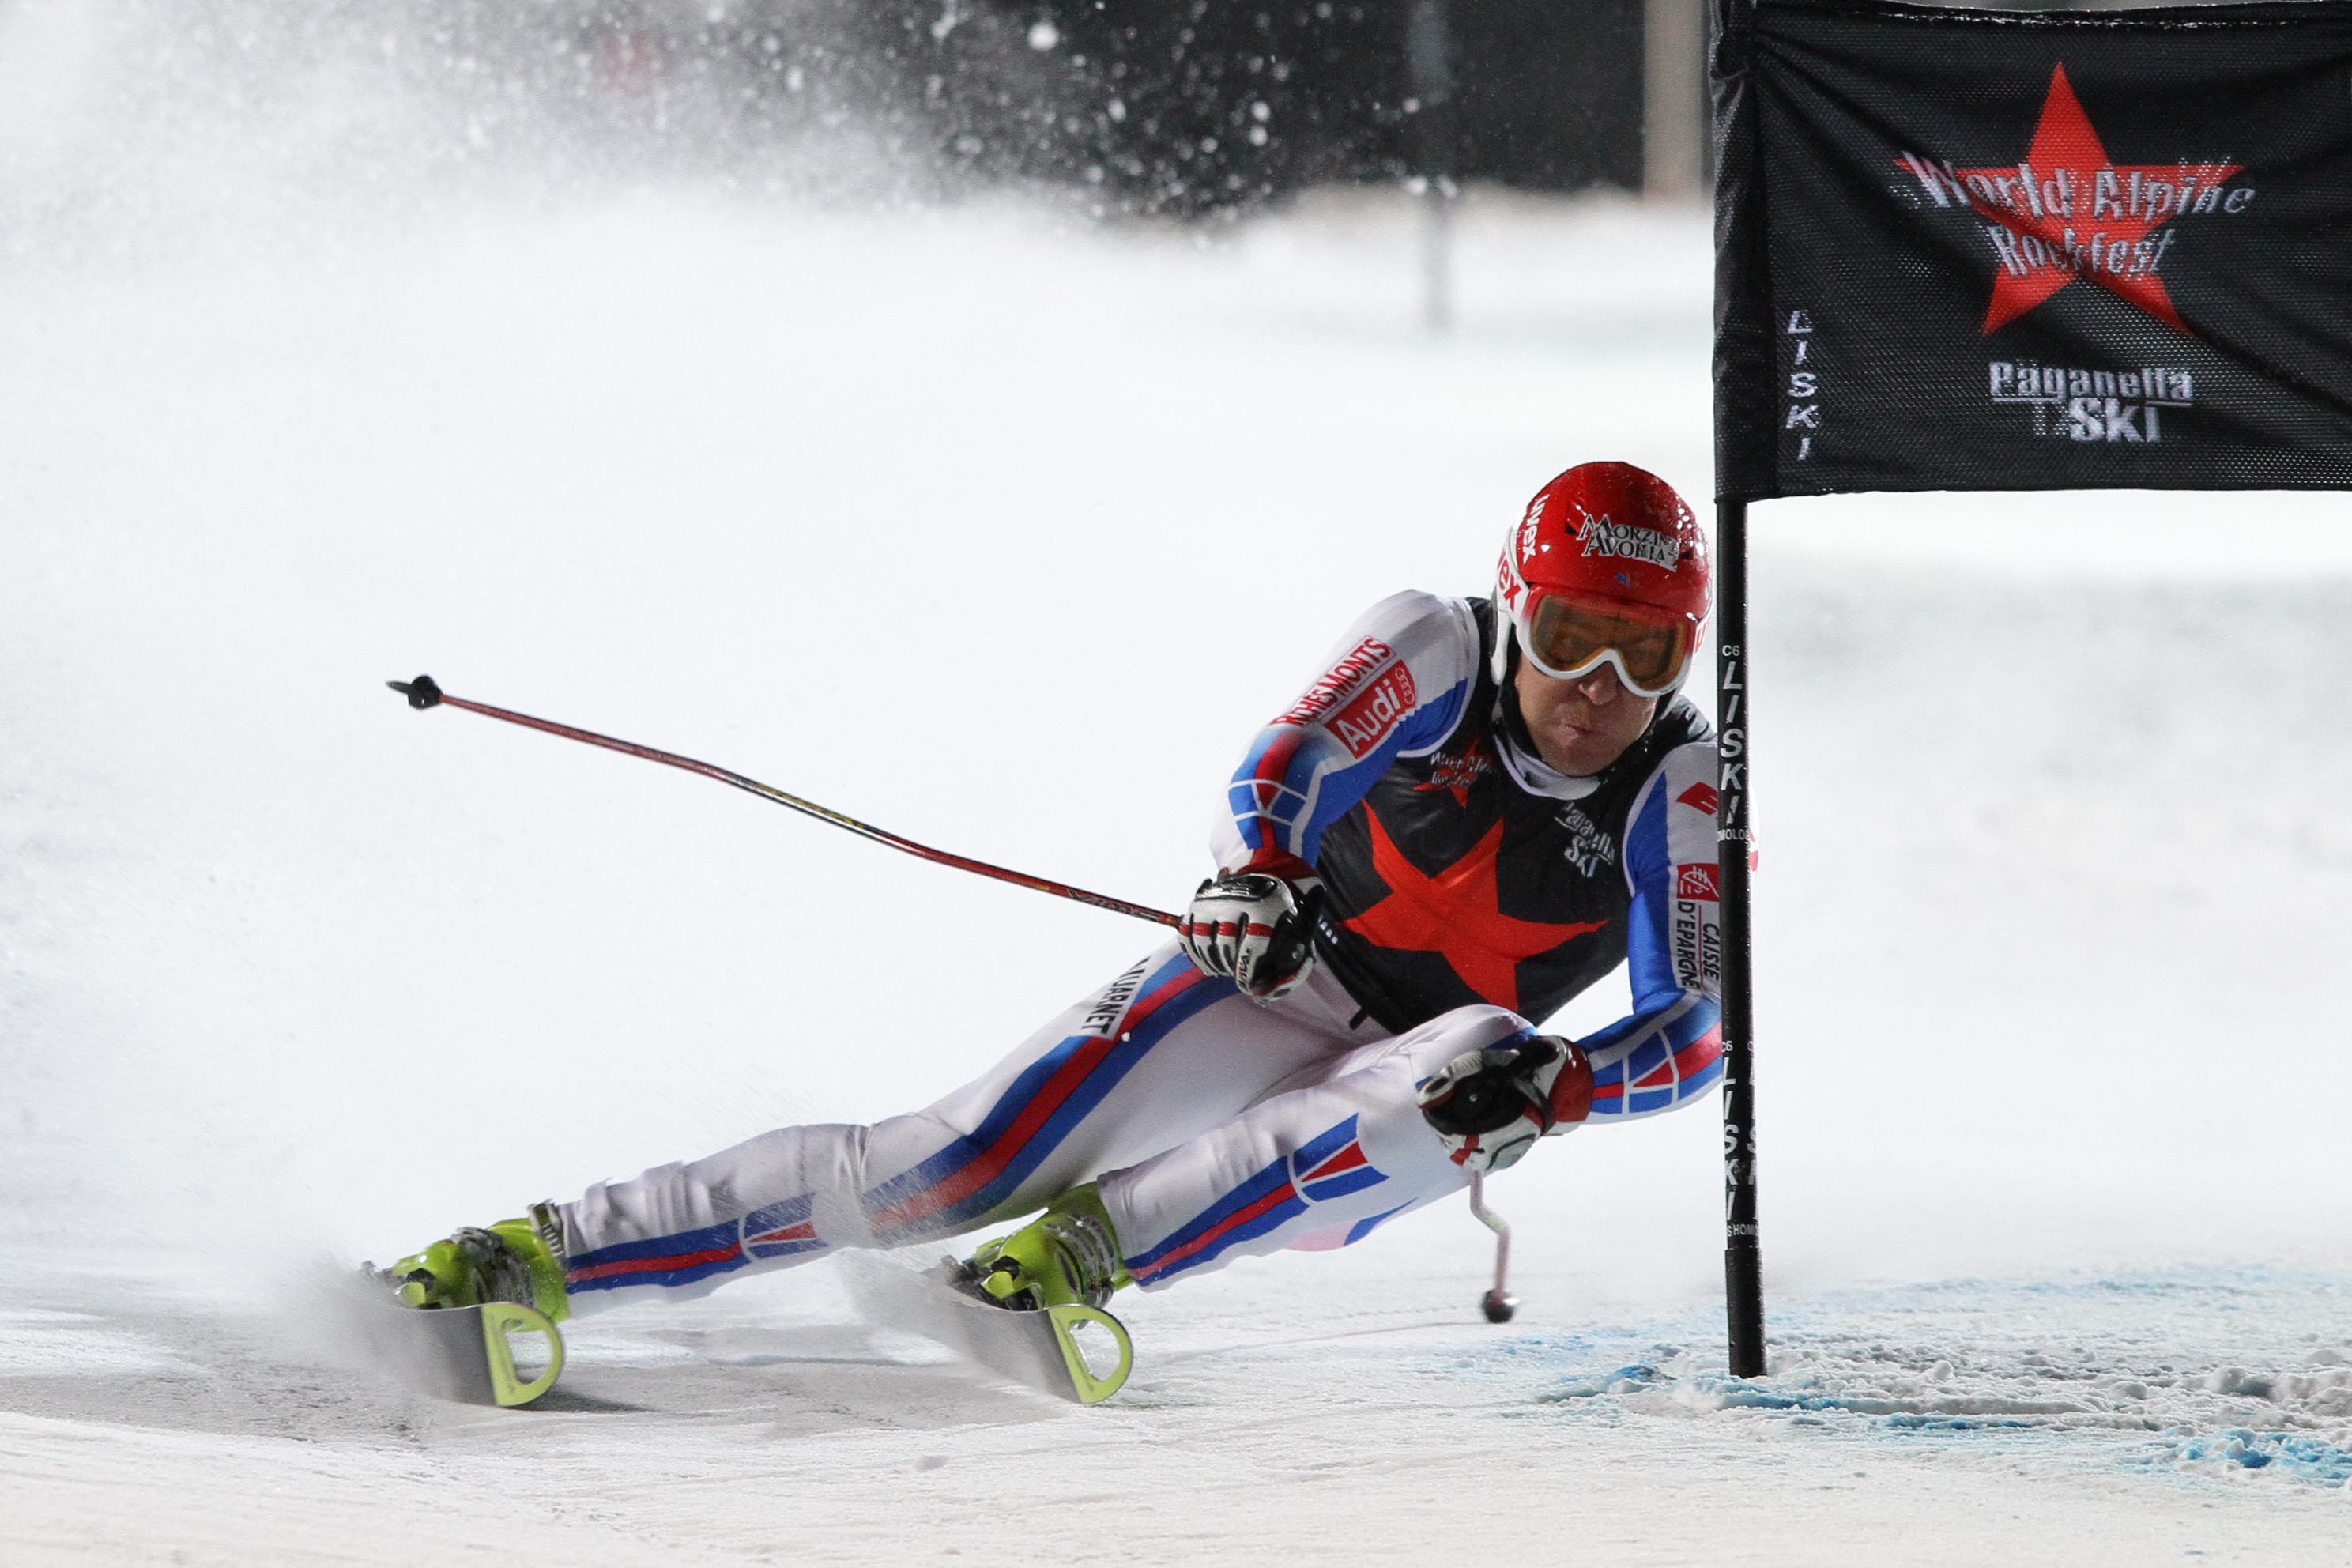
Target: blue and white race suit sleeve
pixel 1670 1047
pixel 1395 686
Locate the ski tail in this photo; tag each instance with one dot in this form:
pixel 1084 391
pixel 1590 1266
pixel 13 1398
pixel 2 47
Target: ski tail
pixel 500 1353
pixel 1086 1386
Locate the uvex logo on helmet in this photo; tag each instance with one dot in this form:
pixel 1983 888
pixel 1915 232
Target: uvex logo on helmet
pixel 1607 557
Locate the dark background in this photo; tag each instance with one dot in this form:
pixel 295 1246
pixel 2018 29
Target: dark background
pixel 1115 107
pixel 1186 107
pixel 1548 95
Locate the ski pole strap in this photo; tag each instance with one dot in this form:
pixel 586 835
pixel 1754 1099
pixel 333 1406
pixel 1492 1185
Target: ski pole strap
pixel 424 693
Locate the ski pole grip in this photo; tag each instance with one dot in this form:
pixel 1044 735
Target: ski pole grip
pixel 422 692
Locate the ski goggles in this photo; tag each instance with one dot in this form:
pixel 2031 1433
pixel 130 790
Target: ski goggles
pixel 1569 638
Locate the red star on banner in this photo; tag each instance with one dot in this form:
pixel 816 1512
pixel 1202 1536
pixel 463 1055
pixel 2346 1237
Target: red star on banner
pixel 2077 214
pixel 1457 915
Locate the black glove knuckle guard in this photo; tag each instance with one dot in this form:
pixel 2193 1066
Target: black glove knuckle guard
pixel 1476 1105
pixel 1483 1091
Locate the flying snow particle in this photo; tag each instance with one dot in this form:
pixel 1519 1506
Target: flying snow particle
pixel 1044 35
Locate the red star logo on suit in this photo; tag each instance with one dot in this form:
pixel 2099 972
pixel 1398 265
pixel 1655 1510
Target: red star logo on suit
pixel 1457 915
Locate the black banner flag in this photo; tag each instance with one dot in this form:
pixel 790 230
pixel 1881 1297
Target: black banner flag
pixel 2006 250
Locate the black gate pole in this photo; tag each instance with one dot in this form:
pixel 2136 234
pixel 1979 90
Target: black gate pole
pixel 1743 1272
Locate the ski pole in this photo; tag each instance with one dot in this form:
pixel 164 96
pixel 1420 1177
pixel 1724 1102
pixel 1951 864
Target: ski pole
pixel 423 693
pixel 1499 1304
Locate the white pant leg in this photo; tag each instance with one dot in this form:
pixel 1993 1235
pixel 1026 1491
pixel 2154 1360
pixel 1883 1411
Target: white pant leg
pixel 1159 1056
pixel 1323 1159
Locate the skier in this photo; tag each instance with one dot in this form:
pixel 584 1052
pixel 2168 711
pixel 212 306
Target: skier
pixel 1473 814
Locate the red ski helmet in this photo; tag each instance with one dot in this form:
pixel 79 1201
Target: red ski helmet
pixel 1607 566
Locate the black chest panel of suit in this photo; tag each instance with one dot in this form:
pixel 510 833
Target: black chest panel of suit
pixel 1448 884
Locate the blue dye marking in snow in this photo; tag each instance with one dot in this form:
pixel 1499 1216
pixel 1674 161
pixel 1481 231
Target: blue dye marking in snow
pixel 2306 1459
pixel 1736 1393
pixel 1911 1423
pixel 1739 1394
pixel 1624 1380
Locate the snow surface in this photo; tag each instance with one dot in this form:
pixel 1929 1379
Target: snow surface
pixel 1004 534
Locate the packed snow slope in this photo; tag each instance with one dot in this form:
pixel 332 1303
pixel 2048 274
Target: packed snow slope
pixel 1006 535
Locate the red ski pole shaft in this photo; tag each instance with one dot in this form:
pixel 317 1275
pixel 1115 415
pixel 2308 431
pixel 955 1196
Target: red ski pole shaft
pixel 423 693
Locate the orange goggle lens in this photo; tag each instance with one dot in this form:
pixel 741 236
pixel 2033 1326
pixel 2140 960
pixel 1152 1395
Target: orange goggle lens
pixel 1569 639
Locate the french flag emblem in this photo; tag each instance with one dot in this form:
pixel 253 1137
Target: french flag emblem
pixel 1333 1166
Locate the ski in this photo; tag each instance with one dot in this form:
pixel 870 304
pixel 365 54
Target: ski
pixel 1049 1350
pixel 471 1355
pixel 1042 1349
pixel 506 1354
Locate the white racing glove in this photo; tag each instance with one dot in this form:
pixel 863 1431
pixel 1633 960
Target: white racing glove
pixel 1490 1105
pixel 1256 923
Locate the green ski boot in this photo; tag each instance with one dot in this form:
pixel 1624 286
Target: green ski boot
pixel 458 1307
pixel 1068 1256
pixel 1055 1272
pixel 517 1260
